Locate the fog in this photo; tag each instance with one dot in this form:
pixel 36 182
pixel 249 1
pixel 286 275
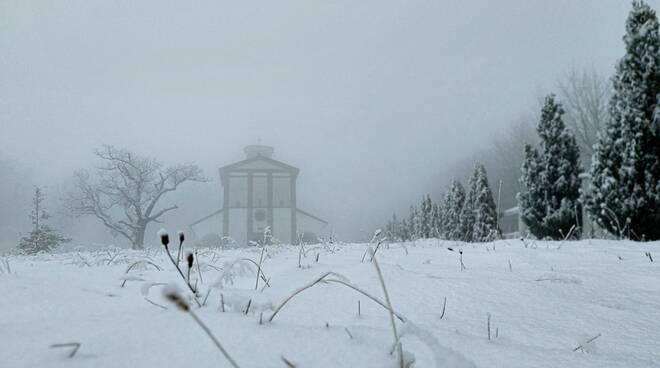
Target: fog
pixel 372 100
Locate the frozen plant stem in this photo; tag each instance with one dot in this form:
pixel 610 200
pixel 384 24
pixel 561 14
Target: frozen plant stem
pixel 174 297
pixel 74 345
pixel 488 323
pixel 178 254
pixel 261 258
pixel 389 306
pixel 581 346
pixel 165 240
pixel 215 341
pixel 296 293
pixel 444 306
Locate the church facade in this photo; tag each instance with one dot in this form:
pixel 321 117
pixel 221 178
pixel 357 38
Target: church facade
pixel 259 192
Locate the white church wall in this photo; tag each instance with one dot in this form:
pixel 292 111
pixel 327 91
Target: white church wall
pixel 282 191
pixel 238 225
pixel 238 191
pixel 282 224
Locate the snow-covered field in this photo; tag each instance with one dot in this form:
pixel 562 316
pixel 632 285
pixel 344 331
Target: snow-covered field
pixel 544 300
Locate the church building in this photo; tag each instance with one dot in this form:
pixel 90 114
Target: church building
pixel 259 192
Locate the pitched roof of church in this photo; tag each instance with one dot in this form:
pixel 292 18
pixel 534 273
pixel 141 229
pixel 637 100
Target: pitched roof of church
pixel 244 165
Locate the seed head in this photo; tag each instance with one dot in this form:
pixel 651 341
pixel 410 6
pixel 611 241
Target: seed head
pixel 190 259
pixel 164 238
pixel 172 294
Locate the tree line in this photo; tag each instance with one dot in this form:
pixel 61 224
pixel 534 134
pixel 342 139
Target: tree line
pixel 464 216
pixel 620 139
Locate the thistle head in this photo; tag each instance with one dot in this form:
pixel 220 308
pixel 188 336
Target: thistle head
pixel 164 237
pixel 190 258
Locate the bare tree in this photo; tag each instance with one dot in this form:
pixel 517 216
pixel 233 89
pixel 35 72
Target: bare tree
pixel 124 191
pixel 585 95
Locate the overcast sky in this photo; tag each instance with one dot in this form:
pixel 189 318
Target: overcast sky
pixel 368 98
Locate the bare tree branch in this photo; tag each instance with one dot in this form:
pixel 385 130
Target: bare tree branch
pixel 125 189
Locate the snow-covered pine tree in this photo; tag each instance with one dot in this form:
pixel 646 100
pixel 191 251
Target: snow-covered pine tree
pixel 549 203
pixel 467 212
pixel 436 221
pixel 625 172
pixel 485 227
pixel 426 217
pixel 413 223
pixel 454 201
pixel 403 230
pixel 42 238
pixel 391 228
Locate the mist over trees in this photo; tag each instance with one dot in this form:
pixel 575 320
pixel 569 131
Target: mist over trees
pixel 125 192
pixel 585 95
pixel 15 193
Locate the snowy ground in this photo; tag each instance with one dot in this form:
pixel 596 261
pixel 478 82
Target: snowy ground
pixel 543 306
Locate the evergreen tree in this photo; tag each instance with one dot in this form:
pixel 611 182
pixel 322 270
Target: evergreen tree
pixel 42 238
pixel 625 172
pixel 549 203
pixel 413 223
pixel 426 217
pixel 404 230
pixel 467 212
pixel 454 201
pixel 436 220
pixel 391 228
pixel 485 227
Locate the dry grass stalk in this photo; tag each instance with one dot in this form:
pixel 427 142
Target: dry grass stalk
pixel 581 346
pixel 300 290
pixel 173 296
pixel 349 333
pixel 389 307
pixel 444 306
pixel 165 240
pixel 375 299
pixel 137 263
pixel 74 345
pixel 287 362
pixel 648 254
pixel 199 270
pixel 179 252
pixel 206 297
pixel 154 303
pixel 261 258
pixel 488 323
